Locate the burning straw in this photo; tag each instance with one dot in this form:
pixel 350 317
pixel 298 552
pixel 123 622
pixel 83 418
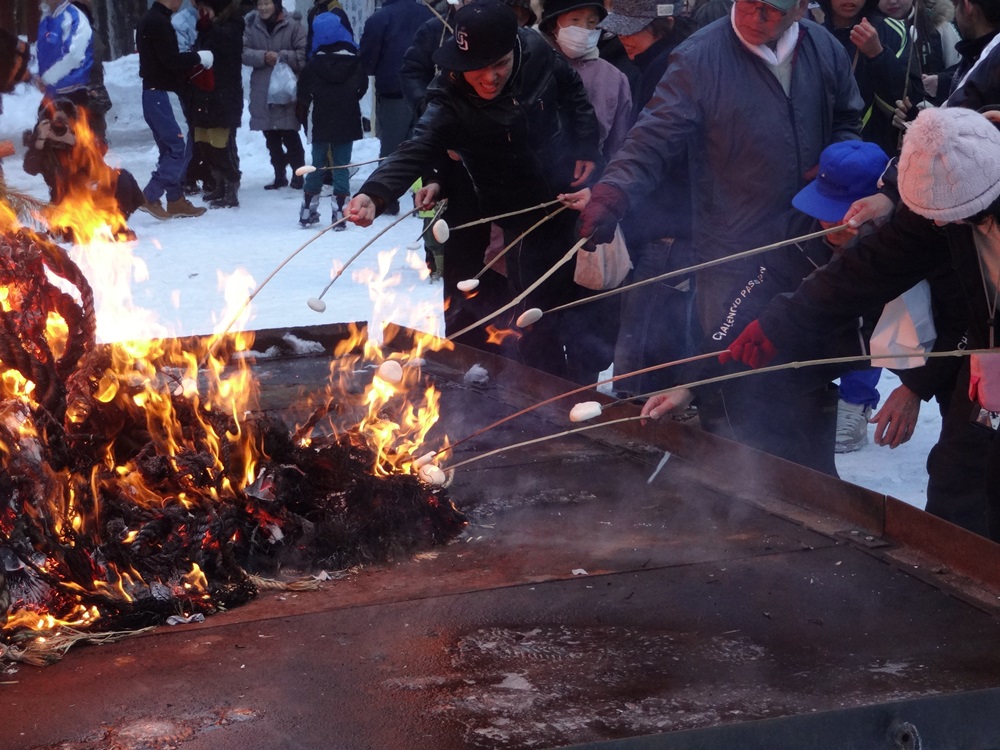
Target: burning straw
pixel 135 486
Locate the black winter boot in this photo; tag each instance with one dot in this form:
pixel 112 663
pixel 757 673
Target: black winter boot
pixel 280 180
pixel 230 196
pixel 218 188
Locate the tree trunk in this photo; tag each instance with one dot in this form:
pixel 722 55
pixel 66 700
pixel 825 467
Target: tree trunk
pixel 116 22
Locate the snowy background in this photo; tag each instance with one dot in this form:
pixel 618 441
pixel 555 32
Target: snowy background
pixel 179 263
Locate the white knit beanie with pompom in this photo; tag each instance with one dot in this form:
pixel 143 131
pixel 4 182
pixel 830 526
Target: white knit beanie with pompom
pixel 949 168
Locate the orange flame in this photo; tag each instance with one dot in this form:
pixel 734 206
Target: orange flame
pixel 150 374
pixel 499 335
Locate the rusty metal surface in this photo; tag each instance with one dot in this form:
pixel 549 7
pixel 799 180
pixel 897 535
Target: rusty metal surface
pixel 583 604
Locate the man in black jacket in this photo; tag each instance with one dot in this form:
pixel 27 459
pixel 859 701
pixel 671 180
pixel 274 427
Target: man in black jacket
pixel 163 68
pixel 518 117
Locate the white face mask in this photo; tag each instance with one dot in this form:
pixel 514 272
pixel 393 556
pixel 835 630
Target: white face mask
pixel 575 41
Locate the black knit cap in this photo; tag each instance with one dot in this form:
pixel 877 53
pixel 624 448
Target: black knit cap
pixel 552 9
pixel 485 31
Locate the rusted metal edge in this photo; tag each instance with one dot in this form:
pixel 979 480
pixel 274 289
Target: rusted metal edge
pixel 968 720
pixel 823 503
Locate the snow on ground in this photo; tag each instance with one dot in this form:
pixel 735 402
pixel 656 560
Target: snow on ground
pixel 179 262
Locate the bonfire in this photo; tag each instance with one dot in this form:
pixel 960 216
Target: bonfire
pixel 140 480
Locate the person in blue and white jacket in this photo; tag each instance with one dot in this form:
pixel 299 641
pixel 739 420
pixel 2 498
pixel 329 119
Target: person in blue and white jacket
pixel 65 49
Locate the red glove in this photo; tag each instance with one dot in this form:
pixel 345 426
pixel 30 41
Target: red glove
pixel 202 78
pixel 599 218
pixel 751 347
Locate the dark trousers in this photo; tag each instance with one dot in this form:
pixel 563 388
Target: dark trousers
pixel 393 118
pixel 285 149
pixel 541 345
pixel 657 320
pixel 463 259
pixel 785 414
pixel 960 463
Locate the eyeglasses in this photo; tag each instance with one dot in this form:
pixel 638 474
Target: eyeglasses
pixel 756 7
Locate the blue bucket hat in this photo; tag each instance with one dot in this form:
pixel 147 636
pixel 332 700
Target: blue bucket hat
pixel 848 171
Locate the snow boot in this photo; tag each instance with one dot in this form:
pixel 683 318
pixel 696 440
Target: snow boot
pixel 438 272
pixel 230 195
pixel 297 182
pixel 182 207
pixel 279 181
pixel 216 187
pixel 309 213
pixel 154 209
pixel 338 213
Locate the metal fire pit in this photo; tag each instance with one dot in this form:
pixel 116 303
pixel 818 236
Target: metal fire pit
pixel 736 601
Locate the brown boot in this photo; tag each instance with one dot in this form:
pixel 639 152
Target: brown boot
pixel 155 210
pixel 183 207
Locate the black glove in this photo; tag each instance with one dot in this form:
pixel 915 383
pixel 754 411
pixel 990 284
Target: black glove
pixel 601 215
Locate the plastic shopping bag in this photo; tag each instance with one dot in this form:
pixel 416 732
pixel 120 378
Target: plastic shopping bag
pixel 905 331
pixel 283 84
pixel 605 267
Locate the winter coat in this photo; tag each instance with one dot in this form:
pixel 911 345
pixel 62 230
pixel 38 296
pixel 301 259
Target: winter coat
pixel 880 268
pixel 935 35
pixel 65 50
pixel 223 106
pixel 666 210
pixel 520 148
pixel 288 39
pixel 418 69
pixel 185 22
pixel 333 82
pixel 981 86
pixel 882 79
pixel 749 145
pixel 388 34
pixel 609 94
pixel 162 66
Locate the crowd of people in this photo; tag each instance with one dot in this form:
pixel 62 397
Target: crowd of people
pixel 711 139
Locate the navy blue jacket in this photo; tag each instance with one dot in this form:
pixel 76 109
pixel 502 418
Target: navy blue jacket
pixel 388 34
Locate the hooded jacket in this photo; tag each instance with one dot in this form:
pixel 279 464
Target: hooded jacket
pixel 288 39
pixel 520 148
pixel 333 83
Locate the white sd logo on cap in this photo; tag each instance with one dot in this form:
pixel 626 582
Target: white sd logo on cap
pixel 461 41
